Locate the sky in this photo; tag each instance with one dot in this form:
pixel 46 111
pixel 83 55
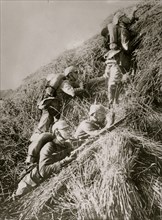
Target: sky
pixel 34 32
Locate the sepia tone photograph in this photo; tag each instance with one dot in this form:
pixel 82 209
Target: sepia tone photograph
pixel 81 110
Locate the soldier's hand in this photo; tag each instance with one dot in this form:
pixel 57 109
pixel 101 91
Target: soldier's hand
pixel 68 151
pixel 66 161
pixel 73 155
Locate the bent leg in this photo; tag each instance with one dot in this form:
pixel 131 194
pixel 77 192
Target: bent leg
pixel 44 122
pixel 118 91
pixel 111 93
pixel 22 189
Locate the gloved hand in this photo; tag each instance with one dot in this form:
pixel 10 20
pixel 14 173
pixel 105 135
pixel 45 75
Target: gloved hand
pixel 66 161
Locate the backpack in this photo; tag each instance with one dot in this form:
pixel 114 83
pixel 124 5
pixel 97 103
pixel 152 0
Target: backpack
pixel 35 147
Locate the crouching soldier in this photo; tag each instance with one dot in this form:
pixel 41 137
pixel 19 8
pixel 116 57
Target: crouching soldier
pixel 54 155
pixel 51 104
pixel 95 124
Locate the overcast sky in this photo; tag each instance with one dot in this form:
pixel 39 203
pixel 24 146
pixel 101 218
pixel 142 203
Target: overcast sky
pixel 35 32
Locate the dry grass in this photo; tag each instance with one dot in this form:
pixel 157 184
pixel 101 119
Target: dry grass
pixel 116 178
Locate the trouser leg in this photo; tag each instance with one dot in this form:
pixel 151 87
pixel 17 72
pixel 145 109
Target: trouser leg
pixel 45 122
pixel 111 93
pixel 113 36
pixel 29 181
pixel 117 93
pixel 125 38
pixel 33 147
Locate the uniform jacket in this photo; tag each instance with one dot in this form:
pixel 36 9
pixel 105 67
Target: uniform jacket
pixel 85 127
pixel 52 159
pixel 51 155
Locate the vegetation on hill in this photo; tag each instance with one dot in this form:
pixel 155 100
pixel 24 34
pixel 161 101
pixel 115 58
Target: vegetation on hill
pixel 117 176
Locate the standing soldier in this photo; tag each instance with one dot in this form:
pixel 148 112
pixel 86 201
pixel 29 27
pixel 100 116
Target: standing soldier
pixel 114 75
pixel 51 104
pixel 53 156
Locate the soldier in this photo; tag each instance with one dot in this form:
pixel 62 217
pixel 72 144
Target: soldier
pixel 119 31
pixel 54 155
pixel 51 104
pixel 96 123
pixel 119 36
pixel 114 75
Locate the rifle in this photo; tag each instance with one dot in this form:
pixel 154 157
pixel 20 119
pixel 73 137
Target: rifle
pixel 94 81
pixel 92 139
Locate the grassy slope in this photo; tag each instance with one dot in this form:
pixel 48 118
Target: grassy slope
pixel 120 176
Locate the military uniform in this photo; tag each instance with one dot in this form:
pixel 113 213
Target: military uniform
pixel 114 75
pixel 51 104
pixel 85 127
pixel 119 31
pixel 52 159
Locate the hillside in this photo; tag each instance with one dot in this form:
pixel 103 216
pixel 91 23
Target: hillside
pixel 118 176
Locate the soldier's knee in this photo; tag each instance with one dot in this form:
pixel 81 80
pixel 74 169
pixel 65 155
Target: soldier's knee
pixel 22 189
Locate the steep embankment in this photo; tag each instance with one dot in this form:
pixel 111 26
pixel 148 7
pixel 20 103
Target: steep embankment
pixel 117 176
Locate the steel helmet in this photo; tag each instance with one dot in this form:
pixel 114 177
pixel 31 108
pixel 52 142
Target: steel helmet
pixel 70 69
pixel 97 108
pixel 60 125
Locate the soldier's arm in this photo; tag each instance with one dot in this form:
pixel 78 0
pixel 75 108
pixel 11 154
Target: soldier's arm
pixel 78 91
pixel 96 80
pixel 88 129
pixel 47 170
pixel 45 103
pixel 49 161
pixel 91 131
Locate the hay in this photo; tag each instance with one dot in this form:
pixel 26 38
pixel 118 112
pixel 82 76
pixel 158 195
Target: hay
pixel 103 178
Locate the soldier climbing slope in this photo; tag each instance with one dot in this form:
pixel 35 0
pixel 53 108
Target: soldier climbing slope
pixel 54 155
pixel 114 76
pixel 51 104
pixel 120 37
pixel 118 33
